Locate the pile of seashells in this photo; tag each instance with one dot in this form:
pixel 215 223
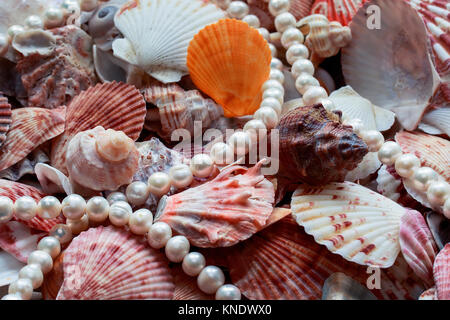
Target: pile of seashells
pixel 348 99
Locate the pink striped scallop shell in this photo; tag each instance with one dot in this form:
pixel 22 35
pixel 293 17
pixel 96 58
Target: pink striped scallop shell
pixel 337 10
pixel 441 273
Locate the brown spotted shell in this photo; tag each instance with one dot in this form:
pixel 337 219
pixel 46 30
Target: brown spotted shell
pixel 315 148
pixel 5 118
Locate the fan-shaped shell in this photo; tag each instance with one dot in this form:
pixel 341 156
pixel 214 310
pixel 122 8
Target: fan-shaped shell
pixel 350 220
pixel 441 273
pixel 417 245
pixel 157 34
pixel 223 211
pixel 440 228
pixel 229 61
pixel 5 118
pixel 341 287
pixel 107 263
pixel 26 166
pixel 337 10
pixel 437 121
pixel 186 287
pixel 111 105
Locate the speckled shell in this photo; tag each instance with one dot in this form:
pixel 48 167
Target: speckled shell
pixel 315 148
pixel 441 273
pixel 440 228
pixel 337 10
pixel 224 211
pixel 350 220
pixel 112 105
pixel 53 80
pixel 30 128
pixel 417 245
pixel 229 61
pixel 107 263
pixel 5 118
pixel 341 287
pixel 429 294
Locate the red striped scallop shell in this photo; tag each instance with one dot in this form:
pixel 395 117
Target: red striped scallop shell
pixel 337 10
pixel 5 118
pixel 441 273
pixel 186 287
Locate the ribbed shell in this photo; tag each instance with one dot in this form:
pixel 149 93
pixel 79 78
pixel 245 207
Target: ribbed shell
pixel 5 118
pixel 437 121
pixel 441 273
pixel 417 245
pixel 223 211
pixel 337 10
pixel 350 220
pixel 229 61
pixel 111 105
pixel 440 228
pixel 30 128
pixel 26 166
pixel 315 148
pixel 107 263
pixel 186 287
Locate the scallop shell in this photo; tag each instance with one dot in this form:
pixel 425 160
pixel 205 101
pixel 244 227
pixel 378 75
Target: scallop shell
pixel 52 80
pixel 400 77
pixel 9 268
pixel 30 128
pixel 341 287
pixel 112 105
pixel 223 211
pixel 186 287
pixel 440 228
pixel 24 167
pixel 157 34
pixel 429 294
pixel 315 148
pixel 107 263
pixel 417 245
pixel 229 61
pixel 350 220
pixel 436 121
pixel 5 118
pixel 441 273
pixel 337 10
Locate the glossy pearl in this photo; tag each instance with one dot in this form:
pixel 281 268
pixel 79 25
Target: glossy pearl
pixel 240 142
pixel 423 177
pixel 291 37
pixel 269 84
pixel 302 66
pixel 265 33
pixel 88 5
pixel 61 232
pixel 274 93
pixel 159 183
pixel 222 153
pixel 389 152
pixel 12 297
pixel 49 207
pixel 14 30
pixel 33 273
pixel 256 129
pixel 356 124
pixel 78 225
pixel 22 287
pixel 277 7
pixel 374 139
pixel 25 208
pixel 159 234
pixel 252 21
pixel 268 116
pixel 406 164
pixel 73 206
pixel 273 103
pixel 276 63
pixel 201 165
pixel 119 213
pixel 4 43
pixel 210 279
pixel 177 248
pixel 273 50
pixel 193 263
pixel 97 209
pixel 6 209
pixel 296 52
pixel 116 196
pixel 277 75
pixel 314 95
pixel 228 292
pixel 285 21
pixel 181 176
pixel 446 208
pixel 41 259
pixel 237 9
pixel 34 22
pixel 137 193
pixel 54 17
pixel 304 82
pixel 438 192
pixel 140 221
pixel 50 245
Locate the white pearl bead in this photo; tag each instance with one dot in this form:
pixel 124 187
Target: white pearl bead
pixel 304 82
pixel 119 213
pixel 277 7
pixel 14 30
pixel 277 75
pixel 116 196
pixel 228 292
pixel 272 84
pixel 296 52
pixel 238 9
pixel 6 209
pixel 276 63
pixel 202 165
pixel 73 206
pixel 222 153
pixel 22 287
pixel 177 248
pixel 423 177
pixel 406 164
pixel 356 124
pixel 446 208
pixel 374 139
pixel 49 207
pixel 97 209
pixel 34 22
pixel 12 297
pixel 25 208
pixel 265 33
pixel 50 245
pixel 438 192
pixel 273 50
pixel 159 234
pixel 88 5
pixel 328 104
pixel 210 279
pixel 61 232
pixel 284 21
pixel 137 193
pixel 274 93
pixel 302 66
pixel 252 21
pixel 268 116
pixel 54 17
pixel 273 103
pixel 389 152
pixel 33 273
pixel 181 176
pixel 256 128
pixel 140 221
pixel 240 142
pixel 193 263
pixel 291 37
pixel 78 225
pixel 42 259
pixel 159 183
pixel 314 95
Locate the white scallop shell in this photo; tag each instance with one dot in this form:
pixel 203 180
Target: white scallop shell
pixel 350 220
pixel 436 121
pixel 157 34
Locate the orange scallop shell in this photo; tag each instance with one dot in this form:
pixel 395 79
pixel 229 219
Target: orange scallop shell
pixel 229 61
